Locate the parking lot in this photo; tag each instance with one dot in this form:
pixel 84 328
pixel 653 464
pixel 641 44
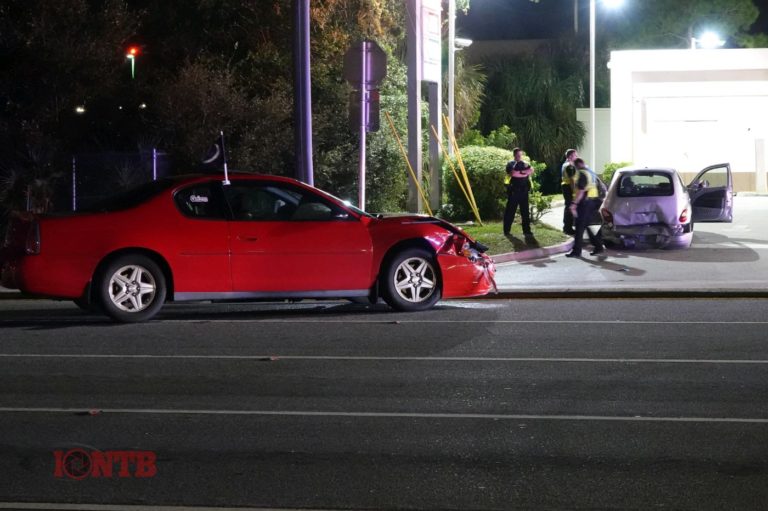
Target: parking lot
pixel 723 257
pixel 491 404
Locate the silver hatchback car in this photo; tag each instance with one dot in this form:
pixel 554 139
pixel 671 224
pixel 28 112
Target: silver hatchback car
pixel 652 207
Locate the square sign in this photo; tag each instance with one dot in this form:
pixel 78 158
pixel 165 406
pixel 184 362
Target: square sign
pixel 431 34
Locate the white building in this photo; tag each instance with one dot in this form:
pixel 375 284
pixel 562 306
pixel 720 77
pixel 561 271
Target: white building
pixel 688 109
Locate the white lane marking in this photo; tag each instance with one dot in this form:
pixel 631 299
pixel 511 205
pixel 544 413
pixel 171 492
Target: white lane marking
pixel 388 415
pixel 472 321
pixel 364 358
pixel 193 321
pixel 123 507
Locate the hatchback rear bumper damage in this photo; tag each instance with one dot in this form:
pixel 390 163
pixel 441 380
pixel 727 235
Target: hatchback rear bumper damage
pixel 650 235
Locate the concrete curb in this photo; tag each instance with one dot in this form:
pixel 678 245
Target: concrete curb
pixel 623 293
pixel 536 253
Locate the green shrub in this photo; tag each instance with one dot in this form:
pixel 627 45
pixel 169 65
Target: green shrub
pixel 610 169
pixel 486 168
pixel 502 137
pixel 472 137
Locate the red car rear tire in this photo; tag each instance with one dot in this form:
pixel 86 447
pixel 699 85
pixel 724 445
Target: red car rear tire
pixel 131 288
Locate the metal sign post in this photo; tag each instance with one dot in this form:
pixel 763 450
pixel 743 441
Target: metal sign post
pixel 365 66
pixel 363 122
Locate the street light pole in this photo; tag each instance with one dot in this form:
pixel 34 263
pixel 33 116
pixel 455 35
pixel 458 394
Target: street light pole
pixel 592 128
pixel 451 70
pixel 592 73
pixel 302 93
pixel 575 16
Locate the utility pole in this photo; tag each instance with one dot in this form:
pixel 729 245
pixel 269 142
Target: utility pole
pixel 302 93
pixel 414 101
pixel 424 65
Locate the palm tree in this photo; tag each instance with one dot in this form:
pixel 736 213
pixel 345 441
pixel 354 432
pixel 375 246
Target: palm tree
pixel 469 87
pixel 537 103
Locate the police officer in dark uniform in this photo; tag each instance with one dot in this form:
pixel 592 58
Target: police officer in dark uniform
pixel 518 174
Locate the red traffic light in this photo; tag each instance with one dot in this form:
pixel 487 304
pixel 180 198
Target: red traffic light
pixel 132 51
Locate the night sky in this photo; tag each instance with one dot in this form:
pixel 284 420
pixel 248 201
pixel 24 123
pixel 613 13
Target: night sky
pixel 522 19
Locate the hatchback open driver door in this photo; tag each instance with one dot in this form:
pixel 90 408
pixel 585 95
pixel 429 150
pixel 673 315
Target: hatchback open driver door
pixel 712 194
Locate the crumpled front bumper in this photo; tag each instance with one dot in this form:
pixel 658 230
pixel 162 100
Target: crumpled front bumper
pixel 465 277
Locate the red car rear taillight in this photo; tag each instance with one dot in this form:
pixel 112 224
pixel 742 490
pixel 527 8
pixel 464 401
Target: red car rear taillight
pixel 607 216
pixel 684 216
pixel 33 239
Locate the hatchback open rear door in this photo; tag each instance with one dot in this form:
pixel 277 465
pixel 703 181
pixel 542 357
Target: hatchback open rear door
pixel 711 194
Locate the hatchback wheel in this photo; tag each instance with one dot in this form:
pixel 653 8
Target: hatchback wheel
pixel 411 281
pixel 131 288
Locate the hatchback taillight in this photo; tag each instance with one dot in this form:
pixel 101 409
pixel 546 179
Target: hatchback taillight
pixel 33 239
pixel 684 217
pixel 607 216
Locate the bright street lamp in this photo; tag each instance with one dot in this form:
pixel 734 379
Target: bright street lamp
pixel 592 16
pixel 708 40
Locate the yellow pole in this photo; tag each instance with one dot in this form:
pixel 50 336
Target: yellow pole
pixel 408 163
pixel 456 174
pixel 460 161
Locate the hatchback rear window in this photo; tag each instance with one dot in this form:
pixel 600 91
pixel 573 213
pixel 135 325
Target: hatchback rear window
pixel 646 184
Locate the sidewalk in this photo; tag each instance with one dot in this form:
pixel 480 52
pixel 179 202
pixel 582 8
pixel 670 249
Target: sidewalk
pixel 724 260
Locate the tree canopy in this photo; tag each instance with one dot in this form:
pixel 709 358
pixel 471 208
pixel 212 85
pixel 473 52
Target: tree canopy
pixel 663 24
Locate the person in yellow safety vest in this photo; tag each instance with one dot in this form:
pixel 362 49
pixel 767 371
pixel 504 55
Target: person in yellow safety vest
pixel 586 201
pixel 567 188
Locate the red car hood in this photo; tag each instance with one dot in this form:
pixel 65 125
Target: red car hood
pixel 424 219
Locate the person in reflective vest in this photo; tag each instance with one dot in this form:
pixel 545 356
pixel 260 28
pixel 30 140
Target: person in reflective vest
pixel 518 187
pixel 566 175
pixel 586 201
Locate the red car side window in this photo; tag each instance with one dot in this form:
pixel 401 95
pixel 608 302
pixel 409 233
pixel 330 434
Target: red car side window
pixel 199 201
pixel 273 202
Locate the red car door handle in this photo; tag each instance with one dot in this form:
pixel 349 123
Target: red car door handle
pixel 247 238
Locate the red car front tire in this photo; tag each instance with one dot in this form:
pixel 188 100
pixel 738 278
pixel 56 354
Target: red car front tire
pixel 411 281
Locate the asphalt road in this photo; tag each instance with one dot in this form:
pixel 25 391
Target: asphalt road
pixel 732 257
pixel 521 404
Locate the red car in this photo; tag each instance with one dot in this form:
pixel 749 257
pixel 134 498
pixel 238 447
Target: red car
pixel 259 237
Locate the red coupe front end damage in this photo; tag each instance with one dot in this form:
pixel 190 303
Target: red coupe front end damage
pixel 467 272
